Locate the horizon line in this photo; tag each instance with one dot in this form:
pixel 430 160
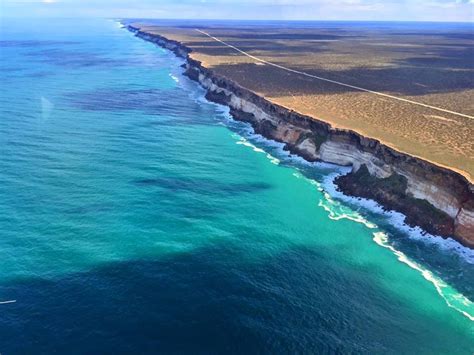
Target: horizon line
pixel 288 20
pixel 235 19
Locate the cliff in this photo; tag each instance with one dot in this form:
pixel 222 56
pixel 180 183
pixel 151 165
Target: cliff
pixel 439 200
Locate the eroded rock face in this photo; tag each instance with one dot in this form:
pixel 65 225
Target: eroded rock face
pixel 437 199
pixel 342 153
pixel 464 227
pixel 391 192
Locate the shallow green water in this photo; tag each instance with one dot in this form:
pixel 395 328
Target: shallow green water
pixel 136 217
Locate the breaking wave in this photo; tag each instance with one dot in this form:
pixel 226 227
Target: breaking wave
pixel 275 152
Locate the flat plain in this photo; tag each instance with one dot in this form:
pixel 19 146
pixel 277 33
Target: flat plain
pixel 431 64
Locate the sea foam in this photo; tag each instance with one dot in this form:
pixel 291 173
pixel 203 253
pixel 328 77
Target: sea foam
pixel 246 136
pixel 453 298
pixel 397 219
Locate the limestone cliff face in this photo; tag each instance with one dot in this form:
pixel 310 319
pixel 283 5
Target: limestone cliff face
pixel 439 200
pixel 464 226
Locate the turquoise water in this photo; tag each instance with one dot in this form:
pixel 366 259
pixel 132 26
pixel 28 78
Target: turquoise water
pixel 135 217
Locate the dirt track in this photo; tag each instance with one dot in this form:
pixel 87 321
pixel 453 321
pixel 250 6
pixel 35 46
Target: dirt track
pixel 425 70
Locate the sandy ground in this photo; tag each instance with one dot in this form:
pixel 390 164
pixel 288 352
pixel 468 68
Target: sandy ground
pixel 434 66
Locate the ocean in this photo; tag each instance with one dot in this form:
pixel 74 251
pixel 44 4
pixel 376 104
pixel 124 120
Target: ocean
pixel 136 217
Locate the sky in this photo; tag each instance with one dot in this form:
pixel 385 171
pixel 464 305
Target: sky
pixel 372 10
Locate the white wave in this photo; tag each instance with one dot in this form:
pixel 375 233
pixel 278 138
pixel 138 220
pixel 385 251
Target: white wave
pixel 243 141
pixel 118 23
pixel 174 78
pixel 394 218
pixel 397 219
pixel 198 94
pixel 248 135
pixel 453 298
pixel 337 210
pixel 6 302
pixel 273 160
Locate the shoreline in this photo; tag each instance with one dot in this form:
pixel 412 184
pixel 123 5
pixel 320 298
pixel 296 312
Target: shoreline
pixel 435 198
pixel 339 126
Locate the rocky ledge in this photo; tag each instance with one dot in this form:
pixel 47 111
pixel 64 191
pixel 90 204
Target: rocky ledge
pixel 438 200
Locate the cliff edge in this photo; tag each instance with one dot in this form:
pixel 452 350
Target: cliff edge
pixel 437 199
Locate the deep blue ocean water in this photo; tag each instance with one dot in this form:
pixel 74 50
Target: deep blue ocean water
pixel 135 217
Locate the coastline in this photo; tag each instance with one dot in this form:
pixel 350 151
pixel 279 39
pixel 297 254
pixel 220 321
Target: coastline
pixel 437 199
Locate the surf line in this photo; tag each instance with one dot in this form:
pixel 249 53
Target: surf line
pixel 452 297
pixel 6 302
pixel 334 81
pixel 337 211
pixel 381 239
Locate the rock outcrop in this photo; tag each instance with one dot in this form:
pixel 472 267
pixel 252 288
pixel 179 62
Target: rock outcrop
pixel 439 200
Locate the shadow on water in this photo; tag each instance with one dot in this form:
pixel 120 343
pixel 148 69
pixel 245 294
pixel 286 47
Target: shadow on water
pixel 34 43
pixel 148 101
pixel 167 106
pixel 74 59
pixel 203 186
pixel 213 300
